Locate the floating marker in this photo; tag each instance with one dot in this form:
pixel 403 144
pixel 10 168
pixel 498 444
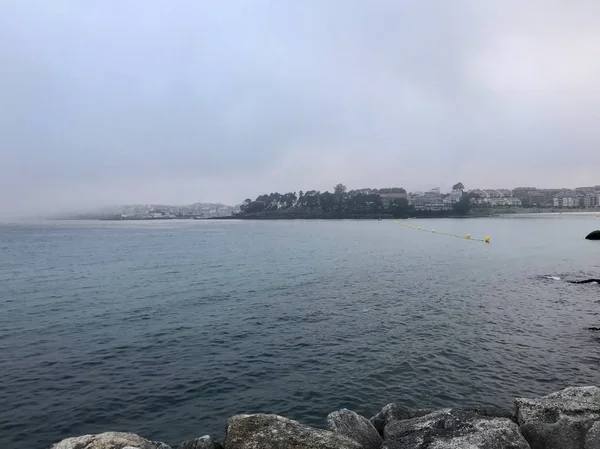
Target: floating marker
pixel 487 239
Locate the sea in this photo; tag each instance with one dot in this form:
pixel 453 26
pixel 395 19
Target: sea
pixel 167 328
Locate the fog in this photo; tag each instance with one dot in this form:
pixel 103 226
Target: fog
pixel 115 102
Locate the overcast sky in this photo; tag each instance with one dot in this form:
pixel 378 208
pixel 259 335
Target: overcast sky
pixel 117 101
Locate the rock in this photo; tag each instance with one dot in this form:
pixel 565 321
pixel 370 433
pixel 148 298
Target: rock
pixel 160 445
pixel 107 440
pixel 592 439
pixel 205 442
pixel 566 419
pixel 395 412
pixel 455 429
pixel 594 235
pixel 586 281
pixel 346 422
pixel 276 432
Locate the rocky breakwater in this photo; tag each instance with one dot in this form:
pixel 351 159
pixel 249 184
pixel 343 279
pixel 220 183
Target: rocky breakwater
pixel 567 419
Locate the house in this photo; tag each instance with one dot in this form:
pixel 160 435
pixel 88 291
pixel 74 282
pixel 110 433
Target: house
pixel 591 200
pixel 387 199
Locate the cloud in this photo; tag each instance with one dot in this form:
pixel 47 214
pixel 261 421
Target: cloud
pixel 108 102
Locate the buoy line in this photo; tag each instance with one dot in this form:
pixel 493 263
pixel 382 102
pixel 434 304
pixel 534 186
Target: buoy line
pixel 486 239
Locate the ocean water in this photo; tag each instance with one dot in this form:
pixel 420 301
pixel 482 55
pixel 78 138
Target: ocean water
pixel 168 328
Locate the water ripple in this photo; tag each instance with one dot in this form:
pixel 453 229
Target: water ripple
pixel 168 330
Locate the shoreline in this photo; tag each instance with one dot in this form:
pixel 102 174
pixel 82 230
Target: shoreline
pixel 287 214
pixel 569 419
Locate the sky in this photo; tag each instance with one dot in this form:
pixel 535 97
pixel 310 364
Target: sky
pixel 116 101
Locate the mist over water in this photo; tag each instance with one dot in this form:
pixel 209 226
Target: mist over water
pixel 168 328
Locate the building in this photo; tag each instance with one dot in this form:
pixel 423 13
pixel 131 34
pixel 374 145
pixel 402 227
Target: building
pixel 387 199
pixel 524 194
pixel 431 200
pixel 591 200
pixel 498 202
pixel 455 196
pixel 567 200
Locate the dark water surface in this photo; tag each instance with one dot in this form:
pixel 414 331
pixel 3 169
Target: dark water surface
pixel 168 328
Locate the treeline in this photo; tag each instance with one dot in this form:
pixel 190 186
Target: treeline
pixel 344 203
pixel 340 202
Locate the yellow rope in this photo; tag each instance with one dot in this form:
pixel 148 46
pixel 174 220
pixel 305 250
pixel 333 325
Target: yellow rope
pixel 486 239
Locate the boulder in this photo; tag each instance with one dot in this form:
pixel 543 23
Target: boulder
pixel 395 412
pixel 160 445
pixel 351 424
pixel 107 440
pixel 276 432
pixel 594 235
pixel 592 439
pixel 205 442
pixel 455 429
pixel 567 419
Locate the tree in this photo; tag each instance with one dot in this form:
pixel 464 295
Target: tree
pixel 301 201
pixel 393 190
pixel 327 201
pixel 289 199
pixel 458 186
pixel 463 206
pixel 245 204
pixel 339 190
pixel 399 207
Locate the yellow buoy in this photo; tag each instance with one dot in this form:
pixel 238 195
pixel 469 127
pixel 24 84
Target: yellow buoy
pixel 433 230
pixel 468 236
pixel 487 239
pixel 419 228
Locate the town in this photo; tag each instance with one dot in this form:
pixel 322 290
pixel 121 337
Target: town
pixel 361 201
pixel 396 201
pixel 159 212
pixel 520 197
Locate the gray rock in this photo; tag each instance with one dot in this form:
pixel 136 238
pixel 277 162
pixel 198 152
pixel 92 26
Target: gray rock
pixel 204 442
pixel 455 429
pixel 594 235
pixel 160 445
pixel 395 412
pixel 276 432
pixel 592 439
pixel 107 440
pixel 565 419
pixel 351 424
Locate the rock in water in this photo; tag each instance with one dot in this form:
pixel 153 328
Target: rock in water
pixel 205 442
pixel 276 432
pixel 395 412
pixel 594 235
pixel 455 429
pixel 351 424
pixel 107 440
pixel 567 419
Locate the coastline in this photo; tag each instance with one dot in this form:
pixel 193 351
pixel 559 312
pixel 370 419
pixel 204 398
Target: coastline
pixel 569 419
pixel 297 214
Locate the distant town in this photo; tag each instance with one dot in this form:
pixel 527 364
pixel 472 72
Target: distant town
pixel 397 202
pixel 394 201
pixel 160 212
pixel 520 197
